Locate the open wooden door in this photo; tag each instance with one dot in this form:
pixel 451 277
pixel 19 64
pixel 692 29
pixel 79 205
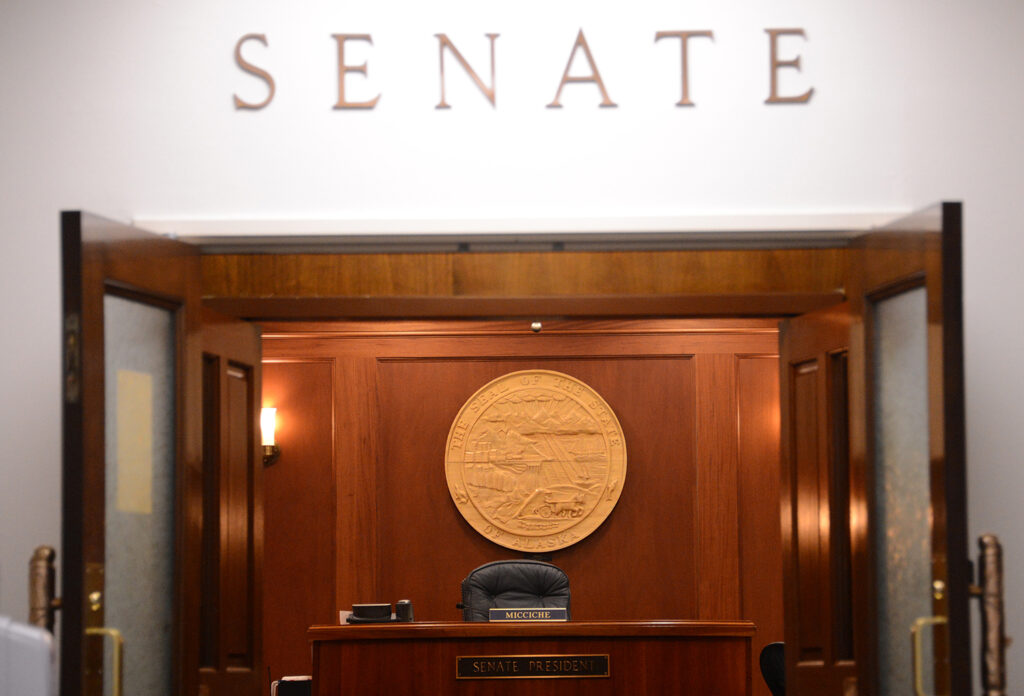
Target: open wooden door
pixel 908 516
pixel 162 497
pixel 902 530
pixel 132 478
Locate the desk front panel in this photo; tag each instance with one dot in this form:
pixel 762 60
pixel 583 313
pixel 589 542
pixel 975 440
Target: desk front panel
pixel 662 665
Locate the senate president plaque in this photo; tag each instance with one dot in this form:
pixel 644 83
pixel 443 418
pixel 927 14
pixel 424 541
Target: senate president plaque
pixel 535 460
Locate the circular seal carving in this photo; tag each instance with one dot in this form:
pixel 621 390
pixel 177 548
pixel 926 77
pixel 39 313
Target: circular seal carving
pixel 535 460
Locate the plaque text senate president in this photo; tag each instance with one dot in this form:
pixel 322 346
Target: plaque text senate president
pixel 531 666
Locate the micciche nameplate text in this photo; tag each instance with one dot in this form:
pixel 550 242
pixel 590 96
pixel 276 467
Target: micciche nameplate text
pixel 529 614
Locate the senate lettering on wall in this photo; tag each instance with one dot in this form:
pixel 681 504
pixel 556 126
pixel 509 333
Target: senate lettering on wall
pixel 535 460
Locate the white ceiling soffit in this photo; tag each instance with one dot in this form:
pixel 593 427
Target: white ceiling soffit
pixel 279 235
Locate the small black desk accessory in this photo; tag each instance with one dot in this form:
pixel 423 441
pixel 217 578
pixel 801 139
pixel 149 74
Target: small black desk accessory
pixel 377 613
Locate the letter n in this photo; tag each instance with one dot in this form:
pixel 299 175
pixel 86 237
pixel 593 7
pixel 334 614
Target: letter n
pixel 443 43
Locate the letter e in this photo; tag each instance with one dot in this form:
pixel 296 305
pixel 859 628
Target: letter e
pixel 773 42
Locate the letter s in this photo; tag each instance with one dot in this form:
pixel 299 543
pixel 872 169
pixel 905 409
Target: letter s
pixel 252 69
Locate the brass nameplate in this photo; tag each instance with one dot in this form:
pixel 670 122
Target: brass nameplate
pixel 498 615
pixel 531 666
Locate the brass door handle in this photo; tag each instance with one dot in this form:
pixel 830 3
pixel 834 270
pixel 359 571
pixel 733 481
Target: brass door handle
pixel 41 580
pixel 918 645
pixel 993 620
pixel 118 644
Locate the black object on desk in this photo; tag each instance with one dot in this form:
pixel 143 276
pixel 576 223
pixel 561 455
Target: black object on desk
pixel 381 613
pixel 292 686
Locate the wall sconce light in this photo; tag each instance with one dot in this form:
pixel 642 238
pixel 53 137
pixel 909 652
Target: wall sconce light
pixel 268 419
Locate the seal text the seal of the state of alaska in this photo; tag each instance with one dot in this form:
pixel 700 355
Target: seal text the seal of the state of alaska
pixel 535 460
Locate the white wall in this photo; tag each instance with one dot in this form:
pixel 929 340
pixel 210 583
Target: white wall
pixel 123 107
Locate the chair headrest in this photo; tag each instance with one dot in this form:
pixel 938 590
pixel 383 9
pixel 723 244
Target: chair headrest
pixel 513 583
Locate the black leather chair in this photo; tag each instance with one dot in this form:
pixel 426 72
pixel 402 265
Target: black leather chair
pixel 519 583
pixel 773 667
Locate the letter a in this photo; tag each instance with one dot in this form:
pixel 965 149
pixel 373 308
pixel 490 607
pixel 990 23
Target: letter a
pixel 595 76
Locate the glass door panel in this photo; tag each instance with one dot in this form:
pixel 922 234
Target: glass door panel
pixel 139 549
pixel 903 560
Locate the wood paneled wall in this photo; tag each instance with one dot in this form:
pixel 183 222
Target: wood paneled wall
pixel 358 509
pixel 509 274
pixel 747 282
pixel 299 512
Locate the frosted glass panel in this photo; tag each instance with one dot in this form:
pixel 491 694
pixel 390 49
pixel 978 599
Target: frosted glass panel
pixel 903 542
pixel 139 573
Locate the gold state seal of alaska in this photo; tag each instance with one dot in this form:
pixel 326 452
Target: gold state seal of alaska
pixel 535 460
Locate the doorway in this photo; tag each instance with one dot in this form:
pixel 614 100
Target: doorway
pixel 587 286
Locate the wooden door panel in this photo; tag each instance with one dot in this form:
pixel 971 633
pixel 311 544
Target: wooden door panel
pixel 230 641
pixel 811 541
pixel 815 501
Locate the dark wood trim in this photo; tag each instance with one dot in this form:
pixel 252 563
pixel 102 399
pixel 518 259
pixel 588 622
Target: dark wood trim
pixel 398 307
pixel 130 292
pixel 209 611
pixel 959 570
pixel 516 327
pixel 456 629
pixel 73 478
pixel 841 572
pixel 896 287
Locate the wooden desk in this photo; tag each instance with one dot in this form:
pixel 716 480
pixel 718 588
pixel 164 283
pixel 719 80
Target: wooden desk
pixel 685 658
